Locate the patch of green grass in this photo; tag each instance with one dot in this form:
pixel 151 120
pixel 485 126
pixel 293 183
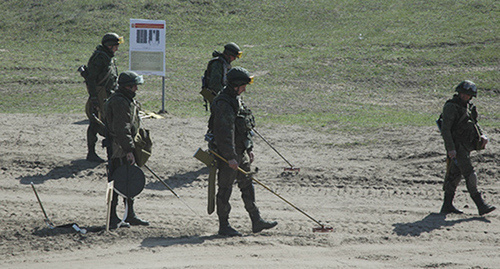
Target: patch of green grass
pixel 332 65
pixel 353 118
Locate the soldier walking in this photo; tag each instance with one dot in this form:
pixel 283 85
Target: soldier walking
pixel 215 76
pixel 461 135
pixel 231 123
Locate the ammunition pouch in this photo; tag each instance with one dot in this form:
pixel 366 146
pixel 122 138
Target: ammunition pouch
pixel 244 124
pixel 143 146
pixel 468 134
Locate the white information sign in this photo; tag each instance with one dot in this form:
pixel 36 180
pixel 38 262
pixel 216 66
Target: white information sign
pixel 147 47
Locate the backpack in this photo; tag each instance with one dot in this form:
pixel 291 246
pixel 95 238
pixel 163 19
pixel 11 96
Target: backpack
pixel 216 56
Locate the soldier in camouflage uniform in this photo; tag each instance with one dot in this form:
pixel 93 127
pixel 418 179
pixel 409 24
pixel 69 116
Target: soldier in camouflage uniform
pixel 215 77
pixel 122 124
pixel 101 83
pixel 461 135
pixel 231 123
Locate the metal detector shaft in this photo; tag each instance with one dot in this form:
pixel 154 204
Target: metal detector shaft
pixel 169 188
pixel 270 190
pixel 47 220
pixel 275 150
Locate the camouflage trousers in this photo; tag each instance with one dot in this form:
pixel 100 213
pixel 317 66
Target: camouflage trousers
pixel 462 167
pixel 225 179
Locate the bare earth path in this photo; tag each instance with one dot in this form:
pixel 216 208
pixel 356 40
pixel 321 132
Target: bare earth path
pixel 379 191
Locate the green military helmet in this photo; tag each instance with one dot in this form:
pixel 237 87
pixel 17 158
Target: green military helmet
pixel 238 76
pixel 467 87
pixel 129 78
pixel 111 39
pixel 232 49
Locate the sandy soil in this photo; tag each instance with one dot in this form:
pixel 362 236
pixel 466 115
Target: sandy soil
pixel 379 191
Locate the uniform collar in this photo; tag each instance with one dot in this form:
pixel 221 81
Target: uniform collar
pixel 106 50
pixel 230 91
pixel 127 93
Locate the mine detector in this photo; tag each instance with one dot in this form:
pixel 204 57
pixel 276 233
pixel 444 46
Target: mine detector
pixel 209 96
pixel 210 159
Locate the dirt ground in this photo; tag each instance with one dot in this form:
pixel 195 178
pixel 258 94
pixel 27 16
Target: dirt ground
pixel 380 191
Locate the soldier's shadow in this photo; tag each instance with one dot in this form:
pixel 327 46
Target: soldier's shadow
pixel 431 222
pixel 171 241
pixel 82 122
pixel 174 181
pixel 58 172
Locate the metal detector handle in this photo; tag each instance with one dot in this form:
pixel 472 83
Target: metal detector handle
pixel 273 148
pixel 47 220
pixel 169 188
pixel 267 188
pixel 164 183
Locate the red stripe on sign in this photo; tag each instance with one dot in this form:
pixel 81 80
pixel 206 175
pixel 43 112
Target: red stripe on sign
pixel 148 25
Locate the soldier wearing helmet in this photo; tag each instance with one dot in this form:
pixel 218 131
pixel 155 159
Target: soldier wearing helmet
pixel 215 76
pixel 101 82
pixel 461 135
pixel 122 124
pixel 231 123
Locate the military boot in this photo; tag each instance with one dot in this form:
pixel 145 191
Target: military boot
pixel 223 209
pixel 482 207
pixel 92 156
pixel 131 217
pixel 225 229
pixel 258 224
pixel 448 204
pixel 115 222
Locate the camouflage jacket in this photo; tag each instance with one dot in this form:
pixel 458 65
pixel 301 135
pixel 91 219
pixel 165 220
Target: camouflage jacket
pixel 459 124
pixel 217 69
pixel 102 71
pixel 232 124
pixel 122 121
